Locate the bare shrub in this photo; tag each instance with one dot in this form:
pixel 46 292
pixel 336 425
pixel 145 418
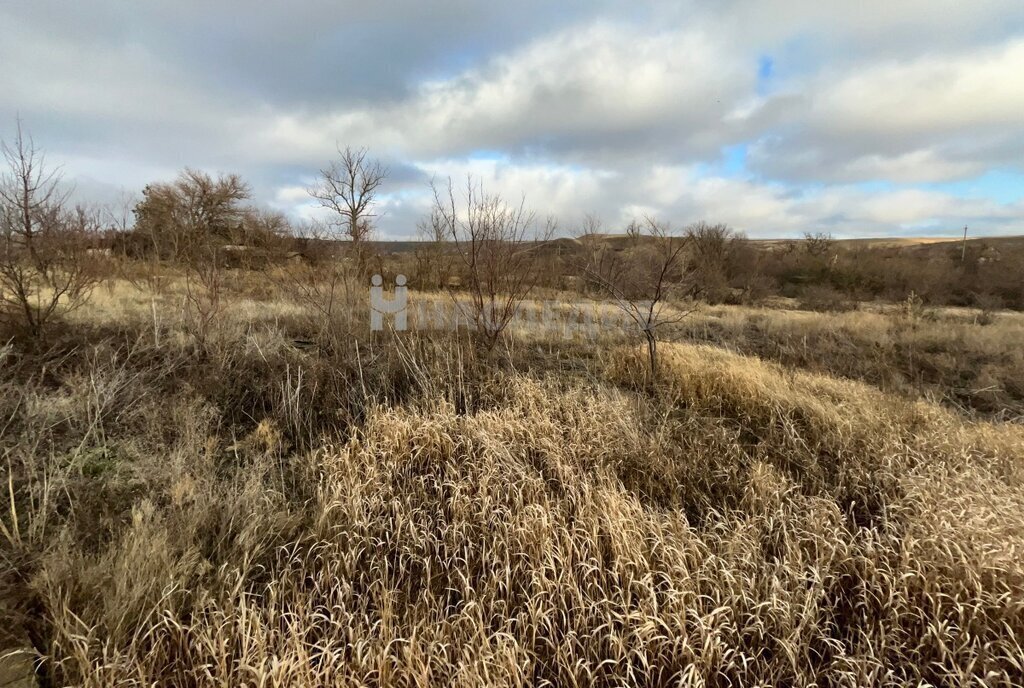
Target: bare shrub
pixel 325 281
pixel 818 243
pixel 723 263
pixel 648 284
pixel 45 265
pixel 203 296
pixel 497 244
pixel 988 309
pixel 187 218
pixel 433 259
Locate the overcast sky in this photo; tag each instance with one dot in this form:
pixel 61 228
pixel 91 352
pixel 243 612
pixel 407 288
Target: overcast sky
pixel 903 117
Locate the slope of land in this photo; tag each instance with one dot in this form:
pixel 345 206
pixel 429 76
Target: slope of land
pixel 407 510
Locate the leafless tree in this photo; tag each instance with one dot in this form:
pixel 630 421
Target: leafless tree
pixel 634 231
pixel 818 243
pixel 433 258
pixel 497 244
pixel 591 226
pixel 720 260
pixel 348 187
pixel 648 283
pixel 45 266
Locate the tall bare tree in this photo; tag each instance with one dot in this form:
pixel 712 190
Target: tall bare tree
pixel 348 187
pixel 497 244
pixel 45 267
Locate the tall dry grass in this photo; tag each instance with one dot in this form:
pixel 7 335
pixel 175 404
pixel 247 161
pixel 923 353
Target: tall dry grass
pixel 406 511
pixel 963 358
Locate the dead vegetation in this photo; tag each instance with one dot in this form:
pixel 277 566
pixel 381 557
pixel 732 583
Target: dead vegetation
pixel 399 510
pixel 216 475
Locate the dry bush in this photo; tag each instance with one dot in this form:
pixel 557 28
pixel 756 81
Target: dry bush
pixel 327 282
pixel 824 299
pixel 818 244
pixel 204 286
pixel 46 269
pixel 649 283
pixel 433 259
pixel 723 263
pixel 189 217
pixel 497 245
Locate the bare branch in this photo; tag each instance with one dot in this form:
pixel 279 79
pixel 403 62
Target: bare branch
pixel 497 244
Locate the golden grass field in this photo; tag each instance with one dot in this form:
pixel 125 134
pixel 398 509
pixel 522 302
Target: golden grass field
pixel 797 499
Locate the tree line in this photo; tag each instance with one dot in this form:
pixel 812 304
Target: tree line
pixel 472 241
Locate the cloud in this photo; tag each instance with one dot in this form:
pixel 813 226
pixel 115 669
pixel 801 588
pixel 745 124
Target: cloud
pixel 682 194
pixel 584 105
pixel 587 93
pixel 938 117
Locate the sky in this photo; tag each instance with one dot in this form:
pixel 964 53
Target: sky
pixel 777 118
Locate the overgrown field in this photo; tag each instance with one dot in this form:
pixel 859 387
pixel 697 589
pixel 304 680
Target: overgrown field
pixel 795 499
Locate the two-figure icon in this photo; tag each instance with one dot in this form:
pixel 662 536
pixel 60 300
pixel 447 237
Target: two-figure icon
pixel 397 306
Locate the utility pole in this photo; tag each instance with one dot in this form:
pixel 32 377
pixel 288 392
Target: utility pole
pixel 963 247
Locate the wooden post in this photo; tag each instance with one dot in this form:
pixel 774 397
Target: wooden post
pixel 963 247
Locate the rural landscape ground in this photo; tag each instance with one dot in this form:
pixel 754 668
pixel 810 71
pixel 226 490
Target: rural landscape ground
pixel 796 496
pixel 242 450
pixel 463 344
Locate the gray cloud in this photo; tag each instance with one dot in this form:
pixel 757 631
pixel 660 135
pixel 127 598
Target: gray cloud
pixel 604 106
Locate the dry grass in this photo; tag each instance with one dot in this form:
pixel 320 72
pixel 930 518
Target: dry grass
pixel 406 512
pixel 951 356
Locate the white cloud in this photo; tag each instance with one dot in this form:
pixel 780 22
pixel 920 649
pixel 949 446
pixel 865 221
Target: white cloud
pixel 584 93
pixel 942 94
pixel 587 106
pixel 934 118
pixel 686 193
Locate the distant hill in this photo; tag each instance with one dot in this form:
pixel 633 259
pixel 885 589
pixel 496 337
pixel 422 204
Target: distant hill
pixel 619 241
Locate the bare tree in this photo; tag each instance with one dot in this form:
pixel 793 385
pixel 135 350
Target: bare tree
pixel 590 226
pixel 497 244
pixel 45 267
pixel 648 283
pixel 720 260
pixel 634 231
pixel 348 187
pixel 433 259
pixel 818 244
pixel 119 216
